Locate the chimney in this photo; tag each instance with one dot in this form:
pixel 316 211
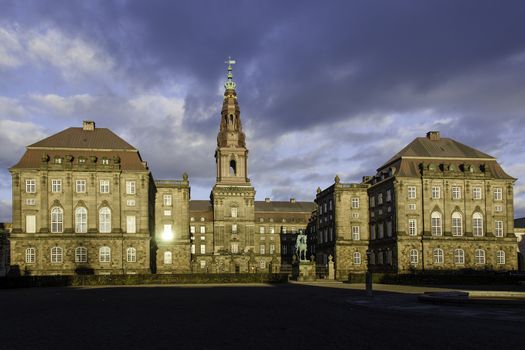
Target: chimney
pixel 292 200
pixel 88 125
pixel 433 135
pixel 267 200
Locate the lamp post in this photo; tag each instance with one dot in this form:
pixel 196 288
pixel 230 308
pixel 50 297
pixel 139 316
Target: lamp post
pixel 368 276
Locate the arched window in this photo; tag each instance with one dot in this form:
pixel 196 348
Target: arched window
pixel 414 257
pixel 167 258
pixel 435 220
pixel 357 258
pixel 459 256
pixel 131 255
pixel 57 220
pixel 438 256
pixel 56 255
pixel 81 255
pixel 81 220
pixel 104 254
pixel 480 256
pixel 500 257
pixel 30 255
pixel 457 224
pixel 477 224
pixel 233 168
pixel 104 220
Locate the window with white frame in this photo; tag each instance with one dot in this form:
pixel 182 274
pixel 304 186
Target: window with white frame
pixel 167 212
pixel 355 215
pixel 357 258
pixel 459 256
pixel 104 220
pixel 498 194
pixel 436 192
pixel 58 160
pixel 192 249
pixel 131 254
pixel 412 206
pixel 81 220
pixel 234 212
pixel 104 186
pixel 30 223
pixel 56 186
pixel 435 221
pixel 203 264
pixel 498 228
pixel 476 192
pixel 438 256
pixel 57 220
pixel 235 248
pixel 104 254
pixel 167 199
pixel 202 219
pixel 234 228
pixel 80 186
pixel 411 190
pixel 272 248
pixel 262 249
pixel 192 229
pixel 456 192
pixel 30 201
pixel 203 248
pixel 356 234
pixel 130 187
pixel 414 256
pixel 271 229
pixel 80 254
pixel 30 255
pixel 355 203
pixel 261 229
pixel 130 202
pixel 412 227
pixel 131 226
pixel 56 255
pixel 457 224
pixel 203 229
pixel 168 260
pixel 105 161
pixel 498 208
pixel 477 224
pixel 479 256
pixel 500 257
pixel 30 186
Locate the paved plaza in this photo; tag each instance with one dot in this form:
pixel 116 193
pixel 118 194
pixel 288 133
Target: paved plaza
pixel 285 316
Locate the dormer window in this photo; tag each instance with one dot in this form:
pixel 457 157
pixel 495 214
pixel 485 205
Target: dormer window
pixel 57 160
pixel 105 161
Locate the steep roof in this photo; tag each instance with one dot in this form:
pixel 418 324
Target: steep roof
pixel 200 205
pixel 519 223
pixel 440 148
pixel 99 138
pixel 284 206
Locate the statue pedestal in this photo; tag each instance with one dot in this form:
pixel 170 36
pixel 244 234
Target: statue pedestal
pixel 303 271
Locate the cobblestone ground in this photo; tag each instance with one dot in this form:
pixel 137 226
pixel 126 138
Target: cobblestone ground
pixel 290 316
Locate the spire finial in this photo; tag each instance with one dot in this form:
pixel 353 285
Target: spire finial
pixel 230 84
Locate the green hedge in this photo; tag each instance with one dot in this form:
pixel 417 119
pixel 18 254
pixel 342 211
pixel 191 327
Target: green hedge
pixel 437 278
pixel 116 280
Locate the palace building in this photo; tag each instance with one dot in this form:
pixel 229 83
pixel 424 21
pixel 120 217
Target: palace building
pixel 84 202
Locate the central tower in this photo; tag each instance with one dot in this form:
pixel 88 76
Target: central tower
pixel 233 195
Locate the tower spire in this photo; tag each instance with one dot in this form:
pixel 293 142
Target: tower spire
pixel 230 84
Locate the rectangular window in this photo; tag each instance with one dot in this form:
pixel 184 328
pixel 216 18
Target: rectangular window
pixel 193 248
pixel 130 202
pixel 203 248
pixel 412 206
pixel 235 248
pixel 476 193
pixel 436 192
pixel 388 195
pixel 380 198
pixel 80 255
pixel 56 186
pixel 498 228
pixel 30 224
pixel 131 224
pixel 130 187
pixel 283 229
pixel 411 192
pixel 203 264
pixel 234 228
pixel 30 201
pixel 261 229
pixel 498 208
pixel 372 231
pixel 80 186
pixel 372 202
pixel 30 255
pixel 356 236
pixel 380 233
pixel 330 204
pixel 192 229
pixel 31 186
pixel 167 199
pixel 355 203
pixel 272 229
pixel 167 212
pixel 272 248
pixel 262 248
pixel 104 186
pixel 389 228
pixel 498 194
pixel 203 229
pixel 456 192
pixel 412 227
pixel 234 212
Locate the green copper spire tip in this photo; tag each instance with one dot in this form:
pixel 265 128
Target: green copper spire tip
pixel 230 84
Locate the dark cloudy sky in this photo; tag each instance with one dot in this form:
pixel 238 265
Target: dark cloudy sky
pixel 325 87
